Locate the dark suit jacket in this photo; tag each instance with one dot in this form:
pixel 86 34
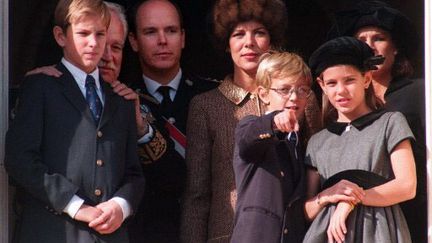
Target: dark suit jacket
pixel 270 185
pixel 159 212
pixel 51 151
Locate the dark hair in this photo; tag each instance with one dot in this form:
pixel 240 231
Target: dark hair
pixel 227 14
pixel 345 51
pixel 132 14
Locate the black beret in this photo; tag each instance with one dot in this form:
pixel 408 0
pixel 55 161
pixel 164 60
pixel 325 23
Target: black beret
pixel 378 14
pixel 343 51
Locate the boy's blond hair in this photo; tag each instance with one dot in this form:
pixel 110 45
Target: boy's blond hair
pixel 69 11
pixel 282 65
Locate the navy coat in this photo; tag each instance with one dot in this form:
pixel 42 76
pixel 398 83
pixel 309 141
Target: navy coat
pixel 270 183
pixel 158 215
pixel 54 150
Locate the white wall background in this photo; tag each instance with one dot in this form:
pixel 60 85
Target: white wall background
pixel 4 92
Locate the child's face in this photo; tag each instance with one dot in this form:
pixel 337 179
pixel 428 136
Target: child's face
pixel 84 42
pixel 287 93
pixel 345 87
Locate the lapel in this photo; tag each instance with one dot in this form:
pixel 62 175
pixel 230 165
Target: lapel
pixel 76 98
pixel 73 93
pixel 111 103
pixel 180 102
pixel 182 95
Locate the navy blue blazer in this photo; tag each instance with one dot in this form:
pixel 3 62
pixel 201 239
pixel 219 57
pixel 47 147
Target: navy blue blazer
pixel 158 215
pixel 270 182
pixel 54 150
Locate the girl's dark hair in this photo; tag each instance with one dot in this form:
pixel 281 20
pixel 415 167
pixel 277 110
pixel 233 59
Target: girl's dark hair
pixel 345 51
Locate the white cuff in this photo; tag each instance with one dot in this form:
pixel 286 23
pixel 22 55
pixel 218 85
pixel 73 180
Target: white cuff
pixel 73 206
pixel 147 137
pixel 124 205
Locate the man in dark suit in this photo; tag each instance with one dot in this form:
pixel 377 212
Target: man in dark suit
pixel 157 35
pixel 72 146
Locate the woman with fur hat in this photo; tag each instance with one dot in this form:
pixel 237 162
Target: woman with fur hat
pixel 245 29
pixel 391 34
pixel 362 165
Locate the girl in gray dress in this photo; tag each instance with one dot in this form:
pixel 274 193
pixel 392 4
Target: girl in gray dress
pixel 362 164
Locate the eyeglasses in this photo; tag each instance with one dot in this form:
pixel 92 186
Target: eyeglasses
pixel 301 92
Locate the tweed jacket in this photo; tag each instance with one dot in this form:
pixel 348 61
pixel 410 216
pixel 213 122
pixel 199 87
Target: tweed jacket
pixel 210 195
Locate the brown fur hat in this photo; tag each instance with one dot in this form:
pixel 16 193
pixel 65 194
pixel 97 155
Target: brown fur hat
pixel 227 14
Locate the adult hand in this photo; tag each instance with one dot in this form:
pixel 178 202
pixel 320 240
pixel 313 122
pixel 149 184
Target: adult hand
pixel 48 70
pixel 124 91
pixel 110 219
pixel 127 93
pixel 87 213
pixel 286 121
pixel 337 229
pixel 342 191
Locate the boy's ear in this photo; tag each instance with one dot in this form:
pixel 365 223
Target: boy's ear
pixel 321 84
pixel 133 41
pixel 263 94
pixel 59 36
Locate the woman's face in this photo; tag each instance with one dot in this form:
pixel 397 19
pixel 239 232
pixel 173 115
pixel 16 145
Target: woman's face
pixel 345 87
pixel 246 44
pixel 381 42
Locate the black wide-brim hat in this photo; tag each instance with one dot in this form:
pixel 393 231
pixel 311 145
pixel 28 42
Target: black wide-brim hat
pixel 378 14
pixel 344 50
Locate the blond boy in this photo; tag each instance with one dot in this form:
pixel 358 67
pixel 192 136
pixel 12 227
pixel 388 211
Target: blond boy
pixel 268 166
pixel 72 146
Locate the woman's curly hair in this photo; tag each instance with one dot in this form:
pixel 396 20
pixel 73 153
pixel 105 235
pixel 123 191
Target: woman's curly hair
pixel 227 14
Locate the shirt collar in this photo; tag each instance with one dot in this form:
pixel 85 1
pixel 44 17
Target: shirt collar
pixel 232 92
pixel 79 75
pixel 359 123
pixel 153 85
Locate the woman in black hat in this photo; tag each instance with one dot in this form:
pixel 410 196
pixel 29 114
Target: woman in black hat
pixel 362 164
pixel 391 34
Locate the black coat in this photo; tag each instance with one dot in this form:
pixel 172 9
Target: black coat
pixel 51 151
pixel 408 97
pixel 270 182
pixel 158 217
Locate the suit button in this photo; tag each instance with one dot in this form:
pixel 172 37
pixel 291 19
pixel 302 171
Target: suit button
pixel 285 231
pixel 99 134
pixel 282 174
pixel 99 162
pixel 98 192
